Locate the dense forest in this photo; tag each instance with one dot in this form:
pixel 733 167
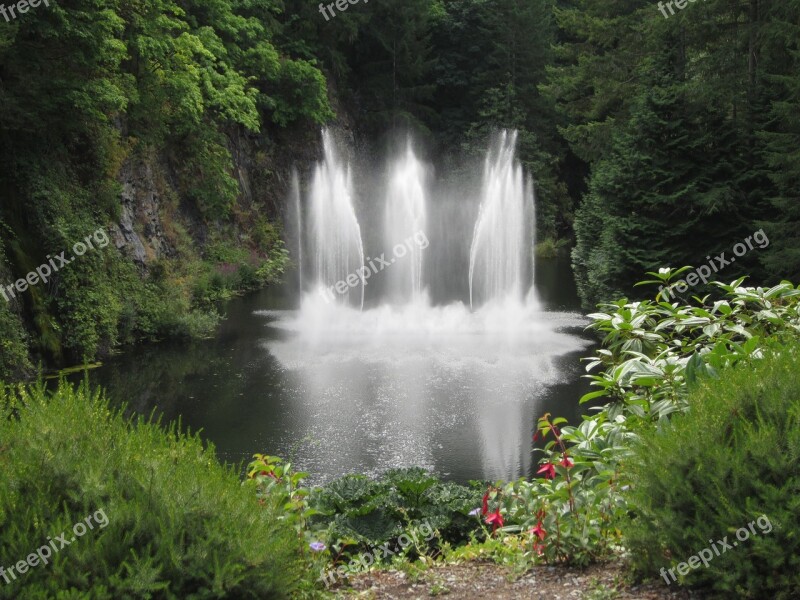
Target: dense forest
pixel 654 140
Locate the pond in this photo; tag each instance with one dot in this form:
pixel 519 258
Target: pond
pixel 441 387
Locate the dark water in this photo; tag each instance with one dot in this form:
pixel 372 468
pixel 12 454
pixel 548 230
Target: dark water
pixel 445 396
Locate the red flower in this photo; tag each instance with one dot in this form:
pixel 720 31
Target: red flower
pixel 538 548
pixel 485 504
pixel 566 462
pixel 495 519
pixel 539 531
pixel 549 470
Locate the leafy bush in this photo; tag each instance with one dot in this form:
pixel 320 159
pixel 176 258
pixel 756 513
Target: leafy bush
pixel 232 269
pixel 570 513
pixel 354 513
pixel 224 251
pixel 358 510
pixel 652 351
pixel 14 359
pixel 733 458
pixel 196 324
pixel 179 524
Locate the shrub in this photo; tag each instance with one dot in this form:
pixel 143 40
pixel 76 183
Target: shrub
pixel 196 324
pixel 652 351
pixel 14 361
pixel 358 510
pixel 731 459
pixel 180 525
pixel 354 513
pixel 547 248
pixel 571 512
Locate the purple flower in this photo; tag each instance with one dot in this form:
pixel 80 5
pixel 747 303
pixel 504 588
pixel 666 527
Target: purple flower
pixel 317 546
pixel 474 512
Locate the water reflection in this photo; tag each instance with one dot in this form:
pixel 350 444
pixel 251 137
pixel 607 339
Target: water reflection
pixel 439 387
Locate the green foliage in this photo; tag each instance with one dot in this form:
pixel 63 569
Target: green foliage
pixel 14 361
pixel 266 235
pixel 781 138
pixel 206 175
pixel 358 510
pixel 275 480
pixel 548 248
pixel 192 325
pixel 232 269
pixel 733 458
pixel 302 94
pixel 685 125
pixel 356 514
pixel 571 512
pixel 654 348
pixel 92 87
pixel 391 65
pixel 513 551
pixel 635 218
pixel 652 352
pixel 180 525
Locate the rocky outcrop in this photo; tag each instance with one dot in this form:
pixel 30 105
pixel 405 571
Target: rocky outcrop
pixel 139 233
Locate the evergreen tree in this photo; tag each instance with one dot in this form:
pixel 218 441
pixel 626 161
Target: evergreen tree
pixel 666 195
pixel 781 135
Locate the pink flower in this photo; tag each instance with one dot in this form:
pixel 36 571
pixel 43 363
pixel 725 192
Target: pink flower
pixel 549 470
pixel 539 531
pixel 495 519
pixel 566 462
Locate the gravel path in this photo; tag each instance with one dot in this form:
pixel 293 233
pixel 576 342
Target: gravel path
pixel 481 580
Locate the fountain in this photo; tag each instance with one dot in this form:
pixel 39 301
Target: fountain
pixel 433 384
pixel 295 220
pixel 500 257
pixel 335 235
pixel 405 218
pixel 500 264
